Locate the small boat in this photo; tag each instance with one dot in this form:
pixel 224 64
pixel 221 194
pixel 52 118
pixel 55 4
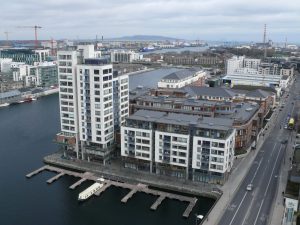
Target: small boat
pixel 4 104
pixel 27 99
pixel 91 190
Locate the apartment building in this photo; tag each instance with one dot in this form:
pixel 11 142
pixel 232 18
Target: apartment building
pixel 178 145
pixel 90 95
pixel 69 135
pixel 122 56
pixel 244 71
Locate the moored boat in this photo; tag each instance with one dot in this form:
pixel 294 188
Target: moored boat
pixel 4 104
pixel 91 190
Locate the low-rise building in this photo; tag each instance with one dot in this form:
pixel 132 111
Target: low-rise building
pixel 183 78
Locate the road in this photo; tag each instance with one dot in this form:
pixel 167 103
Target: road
pixel 254 207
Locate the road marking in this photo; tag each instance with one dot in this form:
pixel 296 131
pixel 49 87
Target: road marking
pixel 256 170
pixel 246 192
pixel 238 208
pixel 267 186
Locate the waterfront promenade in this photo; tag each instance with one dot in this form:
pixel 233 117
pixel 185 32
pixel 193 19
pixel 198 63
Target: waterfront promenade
pixel 116 172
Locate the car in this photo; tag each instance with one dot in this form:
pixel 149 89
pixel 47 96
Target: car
pixel 284 141
pixel 249 187
pixel 285 126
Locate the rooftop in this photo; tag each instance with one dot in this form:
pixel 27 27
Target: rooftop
pixel 183 101
pixel 182 119
pixel 181 74
pixel 209 91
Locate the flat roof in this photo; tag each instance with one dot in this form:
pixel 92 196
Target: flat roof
pixel 182 119
pixel 209 91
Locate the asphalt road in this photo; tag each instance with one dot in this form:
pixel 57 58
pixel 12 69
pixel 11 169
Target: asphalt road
pixel 254 207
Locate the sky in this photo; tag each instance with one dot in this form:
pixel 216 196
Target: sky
pixel 217 20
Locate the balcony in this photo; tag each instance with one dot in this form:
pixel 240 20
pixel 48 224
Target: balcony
pixel 62 139
pixel 96 150
pixel 166 159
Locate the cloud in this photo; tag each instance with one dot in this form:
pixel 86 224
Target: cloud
pixel 204 19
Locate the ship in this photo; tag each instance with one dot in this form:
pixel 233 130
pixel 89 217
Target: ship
pixel 147 49
pixel 91 190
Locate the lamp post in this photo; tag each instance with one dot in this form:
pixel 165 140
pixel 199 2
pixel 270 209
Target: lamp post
pixel 198 217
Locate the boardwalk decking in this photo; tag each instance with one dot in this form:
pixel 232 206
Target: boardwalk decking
pixel 73 186
pixel 129 195
pixel 190 207
pixel 132 187
pixel 157 202
pixel 55 177
pixel 98 193
pixel 36 171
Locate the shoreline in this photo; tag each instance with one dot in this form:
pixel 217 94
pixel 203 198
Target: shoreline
pixel 134 177
pixel 140 71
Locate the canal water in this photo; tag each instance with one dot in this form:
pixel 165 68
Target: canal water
pixel 26 134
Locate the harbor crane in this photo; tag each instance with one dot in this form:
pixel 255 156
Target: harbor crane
pixel 35 27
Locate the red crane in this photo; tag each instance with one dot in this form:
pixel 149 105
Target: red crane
pixel 35 27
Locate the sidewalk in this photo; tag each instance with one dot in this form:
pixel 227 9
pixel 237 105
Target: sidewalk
pixel 236 177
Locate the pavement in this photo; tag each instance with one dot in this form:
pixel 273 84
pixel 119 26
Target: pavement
pixel 266 168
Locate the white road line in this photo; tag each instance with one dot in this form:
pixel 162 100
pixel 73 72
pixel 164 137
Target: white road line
pixel 256 170
pixel 246 192
pixel 238 208
pixel 267 187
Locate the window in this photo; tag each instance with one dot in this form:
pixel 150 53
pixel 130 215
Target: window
pixel 181 161
pixel 96 79
pixel 96 72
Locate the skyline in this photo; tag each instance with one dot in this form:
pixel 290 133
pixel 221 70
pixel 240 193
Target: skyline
pixel 215 20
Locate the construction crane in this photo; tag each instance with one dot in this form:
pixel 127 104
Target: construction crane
pixel 35 27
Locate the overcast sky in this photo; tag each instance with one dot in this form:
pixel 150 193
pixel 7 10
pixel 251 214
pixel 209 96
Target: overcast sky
pixel 221 20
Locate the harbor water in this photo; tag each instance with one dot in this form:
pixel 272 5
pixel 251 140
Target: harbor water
pixel 26 134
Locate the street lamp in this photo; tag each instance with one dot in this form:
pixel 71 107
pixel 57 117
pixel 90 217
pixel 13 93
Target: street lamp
pixel 198 217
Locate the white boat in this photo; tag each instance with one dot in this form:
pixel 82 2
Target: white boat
pixel 4 104
pixel 91 190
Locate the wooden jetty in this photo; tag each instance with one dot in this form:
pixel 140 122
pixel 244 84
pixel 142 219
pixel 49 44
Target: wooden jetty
pixel 129 195
pixel 157 202
pixel 107 185
pixel 190 207
pixel 36 171
pixel 55 178
pixel 73 186
pixel 134 188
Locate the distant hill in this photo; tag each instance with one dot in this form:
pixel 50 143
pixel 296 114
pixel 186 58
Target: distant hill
pixel 144 38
